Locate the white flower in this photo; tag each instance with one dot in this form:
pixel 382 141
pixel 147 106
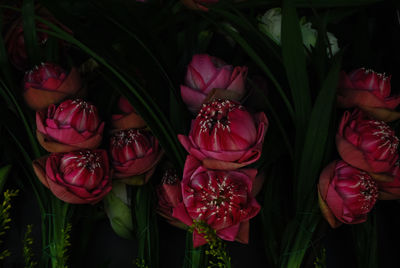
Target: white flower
pixel 271 23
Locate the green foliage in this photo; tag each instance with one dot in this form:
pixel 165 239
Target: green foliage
pixel 5 219
pixel 320 261
pixel 218 255
pixel 140 263
pixel 27 248
pixel 146 225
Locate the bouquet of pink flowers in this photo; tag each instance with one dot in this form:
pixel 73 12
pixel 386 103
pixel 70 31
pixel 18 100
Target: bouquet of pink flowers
pixel 244 126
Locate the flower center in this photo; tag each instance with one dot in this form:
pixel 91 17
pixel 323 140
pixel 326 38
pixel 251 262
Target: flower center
pixel 368 191
pixel 83 105
pixel 216 115
pixel 382 76
pixel 220 196
pixel 386 135
pixel 83 159
pixel 170 177
pixel 126 137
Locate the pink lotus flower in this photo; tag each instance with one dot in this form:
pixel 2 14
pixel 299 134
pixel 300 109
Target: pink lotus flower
pixel 226 136
pixel 198 4
pixel 370 91
pixel 134 152
pixel 390 190
pixel 129 118
pixel 72 125
pixel 205 73
pixel 48 84
pixel 78 177
pixel 15 43
pixel 365 143
pixel 221 199
pixel 169 195
pixel 346 194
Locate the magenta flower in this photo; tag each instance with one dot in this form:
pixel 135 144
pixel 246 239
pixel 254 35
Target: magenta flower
pixel 198 4
pixel 72 125
pixel 390 190
pixel 134 152
pixel 346 194
pixel 77 177
pixel 222 199
pixel 205 73
pixel 226 136
pixel 367 144
pixel 369 91
pixel 48 84
pixel 169 194
pixel 128 118
pixel 15 43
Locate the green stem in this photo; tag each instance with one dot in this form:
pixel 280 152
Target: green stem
pixel 194 257
pixel 146 222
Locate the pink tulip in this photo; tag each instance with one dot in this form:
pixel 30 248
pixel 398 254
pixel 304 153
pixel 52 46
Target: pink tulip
pixel 226 136
pixel 369 91
pixel 222 199
pixel 77 177
pixel 134 152
pixel 72 125
pixel 365 143
pixel 346 194
pixel 205 73
pixel 128 117
pixel 48 84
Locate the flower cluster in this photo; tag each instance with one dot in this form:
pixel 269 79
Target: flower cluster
pixel 216 189
pixel 134 150
pixel 71 130
pixel 349 188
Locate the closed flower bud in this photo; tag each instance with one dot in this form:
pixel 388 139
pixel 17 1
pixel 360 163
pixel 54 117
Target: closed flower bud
pixel 346 194
pixel 225 135
pixel 128 118
pixel 369 91
pixel 205 73
pixel 118 208
pixel 72 125
pixel 367 144
pixel 48 84
pixel 134 152
pixel 77 177
pixel 390 190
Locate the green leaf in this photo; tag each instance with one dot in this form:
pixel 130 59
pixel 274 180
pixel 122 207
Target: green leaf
pixel 146 222
pixel 296 70
pixel 317 135
pixel 4 65
pixel 30 36
pixel 194 257
pixel 257 59
pixel 4 171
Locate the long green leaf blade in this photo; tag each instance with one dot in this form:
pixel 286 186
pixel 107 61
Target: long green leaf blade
pixel 30 36
pixel 295 64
